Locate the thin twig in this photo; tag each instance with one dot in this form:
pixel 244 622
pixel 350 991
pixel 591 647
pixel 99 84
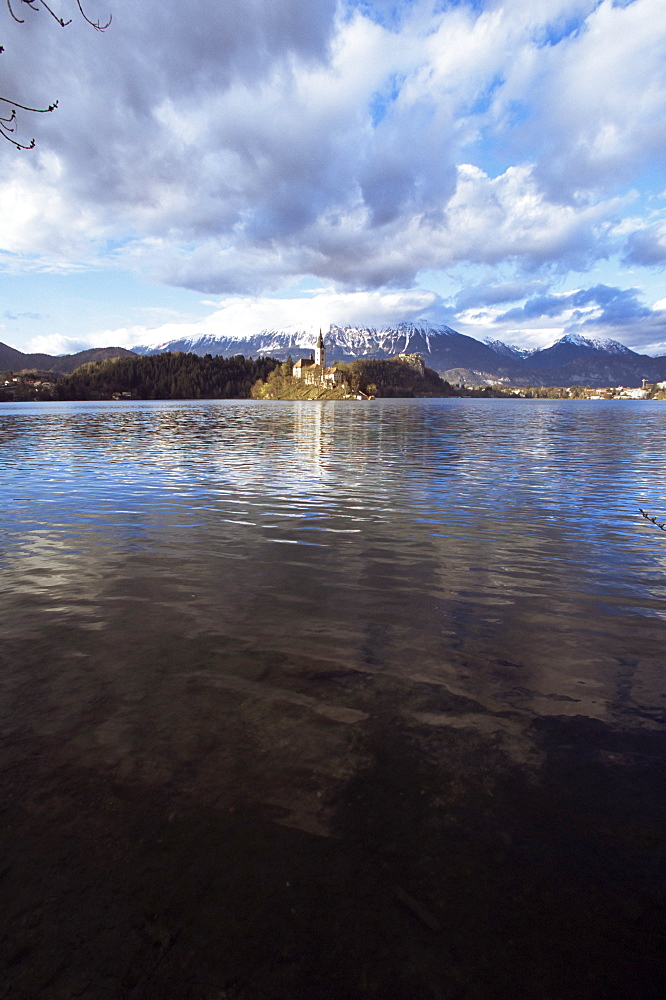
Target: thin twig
pixel 652 520
pixel 19 19
pixel 95 24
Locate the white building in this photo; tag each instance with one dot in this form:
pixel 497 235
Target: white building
pixel 313 370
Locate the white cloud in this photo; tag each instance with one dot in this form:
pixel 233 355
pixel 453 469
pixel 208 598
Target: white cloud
pixel 590 110
pixel 289 151
pixel 56 343
pixel 249 315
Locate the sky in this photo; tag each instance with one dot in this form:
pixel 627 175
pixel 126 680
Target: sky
pixel 228 166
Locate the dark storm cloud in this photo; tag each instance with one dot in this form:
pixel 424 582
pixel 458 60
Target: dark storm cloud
pixel 474 296
pixel 540 305
pixel 616 306
pixel 647 247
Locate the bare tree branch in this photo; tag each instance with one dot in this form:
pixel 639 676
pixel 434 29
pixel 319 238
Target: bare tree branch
pixel 8 125
pixel 34 5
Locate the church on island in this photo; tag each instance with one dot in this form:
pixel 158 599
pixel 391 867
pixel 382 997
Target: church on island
pixel 314 373
pixel 313 370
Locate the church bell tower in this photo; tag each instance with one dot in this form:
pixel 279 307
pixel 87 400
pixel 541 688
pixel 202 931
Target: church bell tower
pixel 320 352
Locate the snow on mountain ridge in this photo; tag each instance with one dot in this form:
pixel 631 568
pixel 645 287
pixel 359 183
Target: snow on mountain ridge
pixel 612 347
pixel 349 336
pixel 609 346
pixel 351 340
pixel 508 349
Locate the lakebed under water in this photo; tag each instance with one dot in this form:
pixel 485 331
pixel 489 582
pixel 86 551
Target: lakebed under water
pixel 332 699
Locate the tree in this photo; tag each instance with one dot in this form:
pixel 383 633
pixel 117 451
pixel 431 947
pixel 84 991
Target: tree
pixel 10 106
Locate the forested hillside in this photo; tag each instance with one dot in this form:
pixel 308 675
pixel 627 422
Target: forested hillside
pixel 165 376
pixel 385 378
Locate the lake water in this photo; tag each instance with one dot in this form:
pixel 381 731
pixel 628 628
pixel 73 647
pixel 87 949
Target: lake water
pixel 333 700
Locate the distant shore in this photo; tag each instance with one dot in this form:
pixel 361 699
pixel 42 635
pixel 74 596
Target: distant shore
pixel 189 376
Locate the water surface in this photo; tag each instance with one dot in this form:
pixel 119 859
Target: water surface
pixel 428 631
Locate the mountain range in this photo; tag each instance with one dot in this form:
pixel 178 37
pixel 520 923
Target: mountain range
pixel 573 360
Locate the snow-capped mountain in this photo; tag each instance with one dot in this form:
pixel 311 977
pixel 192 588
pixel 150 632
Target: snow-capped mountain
pixel 573 347
pixel 609 346
pixel 343 343
pixel 441 347
pixel 572 360
pixel 576 360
